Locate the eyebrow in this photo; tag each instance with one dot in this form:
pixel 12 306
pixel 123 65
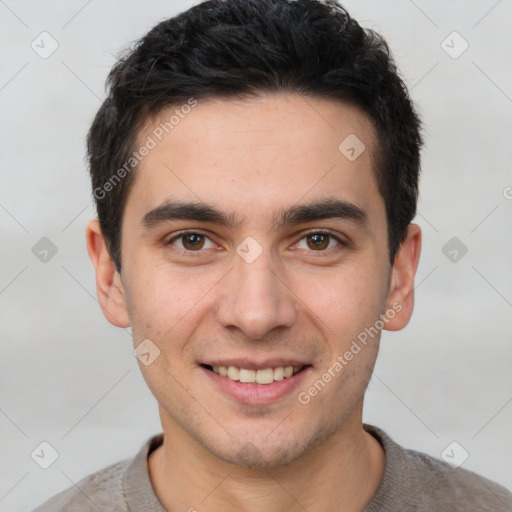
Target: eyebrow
pixel 201 212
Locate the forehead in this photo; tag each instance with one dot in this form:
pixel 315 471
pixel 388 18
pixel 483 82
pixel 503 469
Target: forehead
pixel 267 152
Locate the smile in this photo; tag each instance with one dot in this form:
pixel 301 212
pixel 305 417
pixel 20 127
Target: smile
pixel 256 384
pixel 261 376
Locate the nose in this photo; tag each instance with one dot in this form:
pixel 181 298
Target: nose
pixel 255 299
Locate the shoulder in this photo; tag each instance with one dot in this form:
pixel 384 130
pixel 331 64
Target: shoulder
pixel 415 481
pixel 456 488
pixel 120 487
pixel 99 491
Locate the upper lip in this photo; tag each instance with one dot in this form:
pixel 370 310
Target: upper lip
pixel 252 364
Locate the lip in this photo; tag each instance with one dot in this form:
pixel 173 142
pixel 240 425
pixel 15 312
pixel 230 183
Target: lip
pixel 256 394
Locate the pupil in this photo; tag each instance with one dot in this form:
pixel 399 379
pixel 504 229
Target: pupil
pixel 193 240
pixel 319 240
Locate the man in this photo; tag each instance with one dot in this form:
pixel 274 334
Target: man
pixel 255 169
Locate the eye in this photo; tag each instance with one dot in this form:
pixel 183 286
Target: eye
pixel 320 241
pixel 317 241
pixel 191 241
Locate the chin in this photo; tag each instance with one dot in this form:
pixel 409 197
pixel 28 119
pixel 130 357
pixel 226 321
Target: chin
pixel 262 457
pixel 267 451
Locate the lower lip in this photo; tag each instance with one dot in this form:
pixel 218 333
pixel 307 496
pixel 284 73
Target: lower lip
pixel 257 393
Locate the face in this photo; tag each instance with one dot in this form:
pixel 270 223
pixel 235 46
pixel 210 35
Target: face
pixel 253 246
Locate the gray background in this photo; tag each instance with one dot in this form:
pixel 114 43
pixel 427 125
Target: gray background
pixel 69 378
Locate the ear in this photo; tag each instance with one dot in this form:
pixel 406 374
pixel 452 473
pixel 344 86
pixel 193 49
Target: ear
pixel 109 287
pixel 401 292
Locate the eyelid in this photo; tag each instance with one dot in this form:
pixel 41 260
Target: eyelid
pixel 187 232
pixel 184 233
pixel 341 241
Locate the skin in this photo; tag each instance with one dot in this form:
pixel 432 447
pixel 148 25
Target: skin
pixel 253 158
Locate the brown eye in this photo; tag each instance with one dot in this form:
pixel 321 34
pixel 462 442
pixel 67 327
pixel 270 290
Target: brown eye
pixel 318 241
pixel 191 241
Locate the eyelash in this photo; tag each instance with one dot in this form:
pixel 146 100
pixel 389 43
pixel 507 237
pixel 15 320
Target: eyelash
pixel 188 252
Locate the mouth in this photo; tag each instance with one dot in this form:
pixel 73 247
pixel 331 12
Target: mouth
pixel 256 384
pixel 263 376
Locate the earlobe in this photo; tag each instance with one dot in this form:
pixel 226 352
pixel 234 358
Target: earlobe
pixel 109 287
pixel 401 293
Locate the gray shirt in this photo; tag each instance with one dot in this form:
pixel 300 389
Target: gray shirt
pixel 412 481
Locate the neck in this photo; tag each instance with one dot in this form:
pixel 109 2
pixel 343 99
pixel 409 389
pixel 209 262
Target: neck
pixel 342 473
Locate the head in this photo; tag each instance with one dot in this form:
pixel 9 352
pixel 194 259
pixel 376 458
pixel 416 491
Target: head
pixel 280 137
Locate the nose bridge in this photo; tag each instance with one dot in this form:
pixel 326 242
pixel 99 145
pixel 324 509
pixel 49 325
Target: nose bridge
pixel 255 301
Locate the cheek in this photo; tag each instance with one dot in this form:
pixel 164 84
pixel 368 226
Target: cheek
pixel 164 303
pixel 344 302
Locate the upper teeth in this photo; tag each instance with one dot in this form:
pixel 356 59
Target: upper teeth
pixel 263 376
